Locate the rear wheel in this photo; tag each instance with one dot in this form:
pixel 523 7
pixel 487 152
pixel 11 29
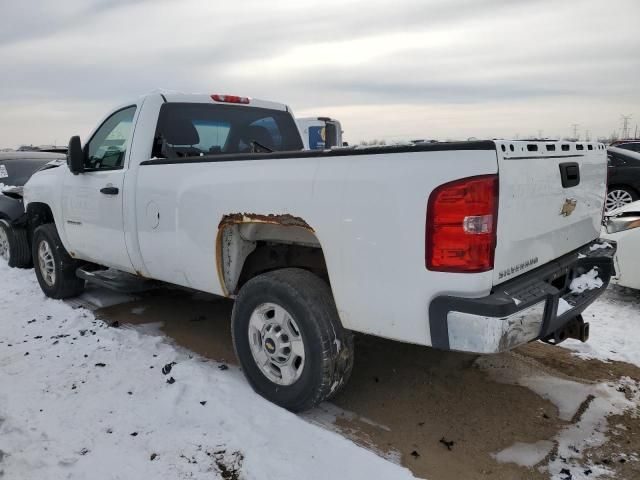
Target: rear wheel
pixel 55 269
pixel 289 339
pixel 14 246
pixel 619 197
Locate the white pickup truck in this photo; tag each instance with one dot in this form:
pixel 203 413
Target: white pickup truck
pixel 466 246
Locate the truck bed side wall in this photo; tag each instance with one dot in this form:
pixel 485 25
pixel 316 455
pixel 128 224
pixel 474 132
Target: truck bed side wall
pixel 368 212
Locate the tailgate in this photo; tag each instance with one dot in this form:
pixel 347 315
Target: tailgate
pixel 539 219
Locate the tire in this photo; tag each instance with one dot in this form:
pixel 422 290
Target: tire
pixel 50 256
pixel 14 246
pixel 618 197
pixel 309 310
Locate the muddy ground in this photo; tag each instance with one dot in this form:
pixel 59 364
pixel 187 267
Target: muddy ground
pixel 441 414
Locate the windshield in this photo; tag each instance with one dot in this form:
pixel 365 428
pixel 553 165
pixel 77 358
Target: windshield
pixel 195 129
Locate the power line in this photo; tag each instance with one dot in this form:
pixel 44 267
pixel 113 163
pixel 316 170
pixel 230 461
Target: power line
pixel 625 126
pixel 575 130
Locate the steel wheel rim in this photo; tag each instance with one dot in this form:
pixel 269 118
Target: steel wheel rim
pixel 46 263
pixel 617 199
pixel 276 344
pixel 4 245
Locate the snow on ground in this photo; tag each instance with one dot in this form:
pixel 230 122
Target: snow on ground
pixel 525 454
pixel 615 335
pixel 614 327
pixel 80 399
pixel 587 406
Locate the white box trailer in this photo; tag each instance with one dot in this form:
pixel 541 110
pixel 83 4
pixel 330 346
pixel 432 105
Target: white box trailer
pixel 320 133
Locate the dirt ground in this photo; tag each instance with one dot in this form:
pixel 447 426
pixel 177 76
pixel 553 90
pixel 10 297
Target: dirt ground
pixel 441 414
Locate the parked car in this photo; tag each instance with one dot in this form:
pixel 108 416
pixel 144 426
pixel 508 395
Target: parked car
pixel 15 169
pixel 459 246
pixel 633 145
pixel 624 178
pixel 623 226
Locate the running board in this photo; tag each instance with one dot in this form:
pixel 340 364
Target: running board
pixel 116 280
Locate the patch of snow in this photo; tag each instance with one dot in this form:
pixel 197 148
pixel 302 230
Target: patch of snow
pixel 84 400
pixel 614 321
pixel 138 310
pixel 566 395
pixel 600 246
pixel 563 306
pixel 590 431
pixel 587 405
pixel 586 281
pixel 4 187
pixel 516 301
pixel 525 454
pixel 581 255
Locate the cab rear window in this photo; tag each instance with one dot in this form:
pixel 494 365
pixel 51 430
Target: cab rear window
pixel 197 129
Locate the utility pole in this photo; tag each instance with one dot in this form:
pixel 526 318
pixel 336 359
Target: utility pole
pixel 587 136
pixel 625 126
pixel 575 131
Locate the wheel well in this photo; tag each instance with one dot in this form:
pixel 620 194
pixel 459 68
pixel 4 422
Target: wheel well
pixel 251 245
pixel 38 214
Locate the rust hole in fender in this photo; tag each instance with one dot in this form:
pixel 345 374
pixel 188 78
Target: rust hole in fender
pixel 228 220
pixel 284 219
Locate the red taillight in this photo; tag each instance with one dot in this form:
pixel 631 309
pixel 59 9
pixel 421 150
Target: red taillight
pixel 230 99
pixel 461 225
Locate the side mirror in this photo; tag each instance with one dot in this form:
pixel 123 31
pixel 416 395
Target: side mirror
pixel 75 156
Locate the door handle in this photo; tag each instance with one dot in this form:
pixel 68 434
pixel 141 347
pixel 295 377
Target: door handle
pixel 109 190
pixel 570 174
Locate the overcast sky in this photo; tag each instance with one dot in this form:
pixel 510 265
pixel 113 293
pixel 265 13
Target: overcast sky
pixel 387 69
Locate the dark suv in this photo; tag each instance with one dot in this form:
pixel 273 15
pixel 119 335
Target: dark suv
pixel 633 145
pixel 15 169
pixel 624 177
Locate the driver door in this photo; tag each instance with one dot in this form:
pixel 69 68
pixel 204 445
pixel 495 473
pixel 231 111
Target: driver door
pixel 92 201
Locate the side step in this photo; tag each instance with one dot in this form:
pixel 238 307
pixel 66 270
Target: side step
pixel 116 280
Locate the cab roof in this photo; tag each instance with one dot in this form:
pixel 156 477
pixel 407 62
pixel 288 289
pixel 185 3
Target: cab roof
pixel 173 96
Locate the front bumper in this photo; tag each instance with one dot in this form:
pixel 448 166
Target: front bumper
pixel 523 309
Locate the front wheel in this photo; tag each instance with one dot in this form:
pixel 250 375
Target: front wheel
pixel 289 339
pixel 55 269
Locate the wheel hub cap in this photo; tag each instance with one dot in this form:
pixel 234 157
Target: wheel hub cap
pixel 46 263
pixel 617 199
pixel 276 344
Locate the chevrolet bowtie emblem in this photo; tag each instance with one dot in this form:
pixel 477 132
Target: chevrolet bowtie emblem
pixel 568 207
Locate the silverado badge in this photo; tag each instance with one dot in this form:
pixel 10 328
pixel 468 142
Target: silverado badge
pixel 568 207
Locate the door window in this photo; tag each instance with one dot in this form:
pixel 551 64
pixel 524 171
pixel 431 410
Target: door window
pixel 106 149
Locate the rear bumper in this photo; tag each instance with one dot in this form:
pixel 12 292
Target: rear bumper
pixel 523 309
